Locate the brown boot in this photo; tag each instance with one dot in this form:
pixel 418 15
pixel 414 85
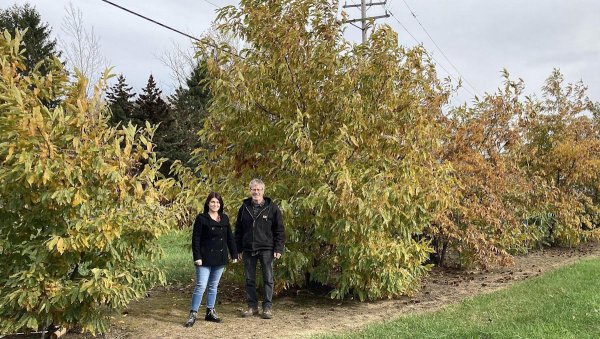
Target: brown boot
pixel 267 313
pixel 251 311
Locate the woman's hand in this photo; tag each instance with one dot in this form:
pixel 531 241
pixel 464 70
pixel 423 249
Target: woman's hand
pixel 234 261
pixel 198 262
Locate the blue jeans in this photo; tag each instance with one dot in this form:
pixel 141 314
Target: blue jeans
pixel 266 264
pixel 206 276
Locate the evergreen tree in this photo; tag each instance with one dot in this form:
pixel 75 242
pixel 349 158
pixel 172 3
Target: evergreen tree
pixel 119 101
pixel 36 43
pixel 149 106
pixel 189 109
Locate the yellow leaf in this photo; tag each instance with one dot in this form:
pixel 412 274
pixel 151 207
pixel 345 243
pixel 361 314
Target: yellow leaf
pixel 76 199
pixel 31 179
pixel 60 245
pixel 11 150
pixel 46 176
pixel 138 190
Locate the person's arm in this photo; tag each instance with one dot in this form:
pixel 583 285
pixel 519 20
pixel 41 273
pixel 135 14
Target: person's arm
pixel 231 242
pixel 278 233
pixel 196 240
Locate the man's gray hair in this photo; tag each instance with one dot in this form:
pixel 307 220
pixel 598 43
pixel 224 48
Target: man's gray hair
pixel 255 182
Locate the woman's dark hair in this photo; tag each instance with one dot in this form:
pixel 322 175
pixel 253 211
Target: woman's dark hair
pixel 212 195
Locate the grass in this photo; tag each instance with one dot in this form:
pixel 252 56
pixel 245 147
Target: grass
pixel 561 304
pixel 177 259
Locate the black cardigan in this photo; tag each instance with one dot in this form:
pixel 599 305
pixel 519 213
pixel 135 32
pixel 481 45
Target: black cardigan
pixel 210 240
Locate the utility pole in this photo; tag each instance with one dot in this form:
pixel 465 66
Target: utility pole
pixel 363 15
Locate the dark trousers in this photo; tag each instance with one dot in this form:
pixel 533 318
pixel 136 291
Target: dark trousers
pixel 266 263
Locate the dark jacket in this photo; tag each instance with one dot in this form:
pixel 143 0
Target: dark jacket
pixel 263 233
pixel 210 240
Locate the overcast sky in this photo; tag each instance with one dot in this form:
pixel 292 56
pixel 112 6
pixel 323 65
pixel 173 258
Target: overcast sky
pixel 529 38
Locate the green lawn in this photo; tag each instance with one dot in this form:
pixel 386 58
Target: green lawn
pixel 177 259
pixel 560 304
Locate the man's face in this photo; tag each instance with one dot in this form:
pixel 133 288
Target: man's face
pixel 257 192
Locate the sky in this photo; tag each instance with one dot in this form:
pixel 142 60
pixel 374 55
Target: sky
pixel 480 38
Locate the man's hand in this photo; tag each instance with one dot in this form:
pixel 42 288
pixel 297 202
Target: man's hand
pixel 198 262
pixel 276 255
pixel 234 261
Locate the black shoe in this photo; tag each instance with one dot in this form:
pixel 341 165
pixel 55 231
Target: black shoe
pixel 191 319
pixel 211 315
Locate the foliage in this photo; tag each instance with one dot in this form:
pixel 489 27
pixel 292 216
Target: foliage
pixel 526 172
pixel 79 215
pixel 563 148
pixel 482 143
pixel 343 135
pixel 37 45
pixel 188 109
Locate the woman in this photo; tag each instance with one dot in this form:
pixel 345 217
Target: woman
pixel 210 240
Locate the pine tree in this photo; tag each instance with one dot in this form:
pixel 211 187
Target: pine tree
pixel 37 44
pixel 119 101
pixel 149 106
pixel 189 109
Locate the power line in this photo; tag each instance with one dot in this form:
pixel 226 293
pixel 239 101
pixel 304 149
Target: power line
pixel 426 52
pixel 151 20
pixel 437 46
pixel 212 3
pixel 171 28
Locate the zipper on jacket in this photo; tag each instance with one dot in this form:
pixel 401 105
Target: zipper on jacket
pixel 254 221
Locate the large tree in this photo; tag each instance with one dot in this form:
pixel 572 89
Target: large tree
pixel 344 136
pixel 189 109
pixel 37 43
pixel 150 107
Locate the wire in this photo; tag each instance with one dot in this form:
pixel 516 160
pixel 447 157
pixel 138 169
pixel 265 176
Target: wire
pixel 438 47
pixel 426 52
pixel 212 3
pixel 172 29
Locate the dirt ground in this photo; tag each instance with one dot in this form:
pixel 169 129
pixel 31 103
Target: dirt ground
pixel 301 314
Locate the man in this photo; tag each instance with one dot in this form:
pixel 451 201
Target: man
pixel 259 236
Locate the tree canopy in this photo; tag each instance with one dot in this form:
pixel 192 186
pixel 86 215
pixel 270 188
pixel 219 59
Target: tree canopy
pixel 37 46
pixel 80 214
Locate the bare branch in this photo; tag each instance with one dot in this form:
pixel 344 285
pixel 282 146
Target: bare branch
pixel 82 47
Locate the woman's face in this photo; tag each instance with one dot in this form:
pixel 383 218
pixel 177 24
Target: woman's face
pixel 214 205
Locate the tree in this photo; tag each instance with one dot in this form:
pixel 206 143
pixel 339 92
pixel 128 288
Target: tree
pixel 483 225
pixel 119 101
pixel 563 149
pixel 344 135
pixel 79 214
pixel 82 47
pixel 37 44
pixel 188 109
pixel 150 107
